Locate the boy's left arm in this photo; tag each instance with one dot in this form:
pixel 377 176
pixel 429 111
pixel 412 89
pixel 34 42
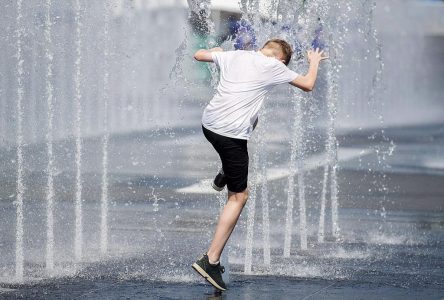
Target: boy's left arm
pixel 205 54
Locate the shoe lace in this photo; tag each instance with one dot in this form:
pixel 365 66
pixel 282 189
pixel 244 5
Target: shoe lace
pixel 222 269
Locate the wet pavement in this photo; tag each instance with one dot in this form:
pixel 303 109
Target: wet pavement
pixel 391 220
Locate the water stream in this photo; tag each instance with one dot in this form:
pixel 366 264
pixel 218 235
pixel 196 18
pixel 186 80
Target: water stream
pixel 19 258
pixel 78 236
pixel 105 137
pixel 49 143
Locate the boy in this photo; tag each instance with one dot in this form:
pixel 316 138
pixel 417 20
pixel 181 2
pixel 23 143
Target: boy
pixel 229 120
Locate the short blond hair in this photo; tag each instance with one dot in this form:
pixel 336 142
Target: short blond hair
pixel 282 46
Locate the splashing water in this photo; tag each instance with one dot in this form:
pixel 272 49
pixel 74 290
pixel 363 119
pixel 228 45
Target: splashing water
pixel 251 211
pixel 300 171
pixel 321 230
pixel 334 200
pixel 108 109
pixel 156 200
pixel 296 167
pixel 20 185
pixel 264 191
pixel 289 211
pixel 222 197
pixel 105 138
pixel 331 142
pixel 331 149
pixel 201 14
pixel 376 86
pixel 49 144
pixel 78 157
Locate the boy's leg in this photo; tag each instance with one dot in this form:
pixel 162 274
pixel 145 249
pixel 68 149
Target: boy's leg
pixel 234 156
pixel 226 224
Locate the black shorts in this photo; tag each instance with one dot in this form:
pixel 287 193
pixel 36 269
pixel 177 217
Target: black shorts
pixel 234 156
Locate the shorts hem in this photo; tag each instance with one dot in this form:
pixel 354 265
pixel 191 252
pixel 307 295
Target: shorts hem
pixel 236 190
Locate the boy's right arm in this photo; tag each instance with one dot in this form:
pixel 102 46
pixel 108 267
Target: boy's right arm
pixel 205 55
pixel 306 82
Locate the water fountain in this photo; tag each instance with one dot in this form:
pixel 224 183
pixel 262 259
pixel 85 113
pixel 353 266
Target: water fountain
pixel 296 167
pixel 331 143
pixel 264 195
pixel 78 123
pixel 111 126
pixel 49 145
pixel 105 137
pixel 251 213
pixel 20 185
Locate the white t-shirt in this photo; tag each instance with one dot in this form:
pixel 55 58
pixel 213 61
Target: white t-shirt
pixel 245 79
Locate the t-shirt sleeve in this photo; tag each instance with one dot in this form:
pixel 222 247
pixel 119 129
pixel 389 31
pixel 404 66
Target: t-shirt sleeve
pixel 282 74
pixel 218 57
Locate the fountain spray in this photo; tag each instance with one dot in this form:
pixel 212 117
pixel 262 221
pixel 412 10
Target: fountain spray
pixel 20 185
pixel 305 21
pixel 251 206
pixel 49 143
pixel 264 192
pixel 105 138
pixel 296 167
pixel 78 155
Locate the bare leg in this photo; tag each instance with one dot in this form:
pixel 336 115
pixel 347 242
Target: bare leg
pixel 227 222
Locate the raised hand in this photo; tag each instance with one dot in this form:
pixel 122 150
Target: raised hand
pixel 316 55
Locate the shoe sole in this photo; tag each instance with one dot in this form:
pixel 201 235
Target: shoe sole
pixel 216 187
pixel 207 277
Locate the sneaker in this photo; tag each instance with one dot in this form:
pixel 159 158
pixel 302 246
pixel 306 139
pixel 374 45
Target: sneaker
pixel 219 181
pixel 212 273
